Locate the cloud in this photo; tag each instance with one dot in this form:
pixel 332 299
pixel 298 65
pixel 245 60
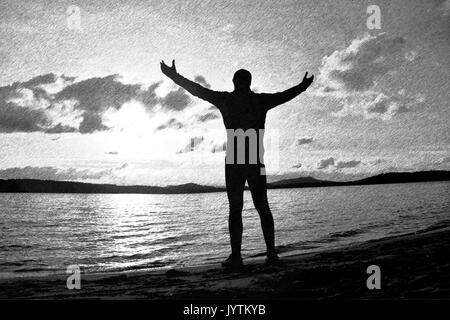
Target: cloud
pixel 123 166
pixel 59 128
pixel 59 104
pixel 16 118
pixel 91 122
pixel 379 161
pixel 192 145
pixel 333 163
pixel 297 166
pixel 171 123
pixel 444 160
pixel 301 141
pixel 32 106
pixel 99 94
pixel 201 80
pixel 148 97
pixel 174 123
pixel 208 116
pixel 325 163
pixel 52 173
pixel 379 106
pixel 23 106
pixel 114 153
pixel 176 100
pixel 358 67
pixel 445 8
pixel 42 79
pixel 96 95
pixel 353 75
pixel 219 147
pixel 347 164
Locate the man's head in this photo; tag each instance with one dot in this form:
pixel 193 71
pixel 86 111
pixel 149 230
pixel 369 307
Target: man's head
pixel 242 79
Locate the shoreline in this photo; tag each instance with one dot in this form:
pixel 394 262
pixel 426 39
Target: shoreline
pixel 414 265
pixel 76 187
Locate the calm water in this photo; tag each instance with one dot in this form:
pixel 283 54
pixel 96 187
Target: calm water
pixel 45 233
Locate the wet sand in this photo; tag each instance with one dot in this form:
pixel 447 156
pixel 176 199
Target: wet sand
pixel 413 266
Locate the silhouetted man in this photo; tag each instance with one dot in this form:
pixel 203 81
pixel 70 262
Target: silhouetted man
pixel 243 111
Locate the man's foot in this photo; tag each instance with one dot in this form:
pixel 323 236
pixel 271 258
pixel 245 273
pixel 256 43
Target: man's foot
pixel 273 260
pixel 232 263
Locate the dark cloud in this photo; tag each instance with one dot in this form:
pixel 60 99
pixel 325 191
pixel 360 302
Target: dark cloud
pixel 444 160
pixel 347 164
pixel 301 141
pixel 24 107
pixel 208 116
pixel 176 100
pixel 219 147
pixel 357 67
pixel 28 107
pixel 333 163
pixel 351 75
pixel 34 84
pixel 94 96
pixel 52 173
pixel 325 163
pixel 171 123
pixel 192 145
pixel 14 118
pixel 91 122
pixel 379 161
pixel 59 128
pixel 42 79
pixel 387 107
pixel 15 115
pixel 68 78
pixel 149 97
pixel 123 166
pixel 201 80
pixel 99 94
pixel 28 111
pixel 381 106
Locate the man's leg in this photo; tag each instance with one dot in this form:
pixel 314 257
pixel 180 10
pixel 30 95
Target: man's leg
pixel 235 182
pixel 258 189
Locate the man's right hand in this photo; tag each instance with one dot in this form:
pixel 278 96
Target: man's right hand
pixel 168 71
pixel 307 81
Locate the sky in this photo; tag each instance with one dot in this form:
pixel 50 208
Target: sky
pixel 82 96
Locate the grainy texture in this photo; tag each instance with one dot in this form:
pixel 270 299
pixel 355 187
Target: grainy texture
pixel 413 266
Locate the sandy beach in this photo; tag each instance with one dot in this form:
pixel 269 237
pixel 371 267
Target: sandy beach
pixel 413 266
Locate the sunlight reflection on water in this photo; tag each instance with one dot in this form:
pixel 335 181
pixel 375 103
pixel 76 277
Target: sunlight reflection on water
pixel 48 232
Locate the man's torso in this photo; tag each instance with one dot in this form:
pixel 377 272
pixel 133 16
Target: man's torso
pixel 244 118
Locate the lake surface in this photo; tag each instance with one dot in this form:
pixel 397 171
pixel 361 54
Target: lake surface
pixel 45 233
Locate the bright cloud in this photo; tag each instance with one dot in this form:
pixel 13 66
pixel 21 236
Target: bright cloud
pixel 352 76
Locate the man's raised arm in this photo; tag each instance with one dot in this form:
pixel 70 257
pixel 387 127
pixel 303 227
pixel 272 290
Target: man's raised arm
pixel 271 100
pixel 190 86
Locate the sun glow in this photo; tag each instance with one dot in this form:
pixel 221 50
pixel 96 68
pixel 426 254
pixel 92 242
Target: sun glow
pixel 131 117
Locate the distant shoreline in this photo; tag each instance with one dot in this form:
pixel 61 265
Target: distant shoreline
pixel 52 186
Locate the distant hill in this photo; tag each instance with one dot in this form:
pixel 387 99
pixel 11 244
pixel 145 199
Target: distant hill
pixel 302 182
pixel 50 186
pixel 385 178
pixel 405 177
